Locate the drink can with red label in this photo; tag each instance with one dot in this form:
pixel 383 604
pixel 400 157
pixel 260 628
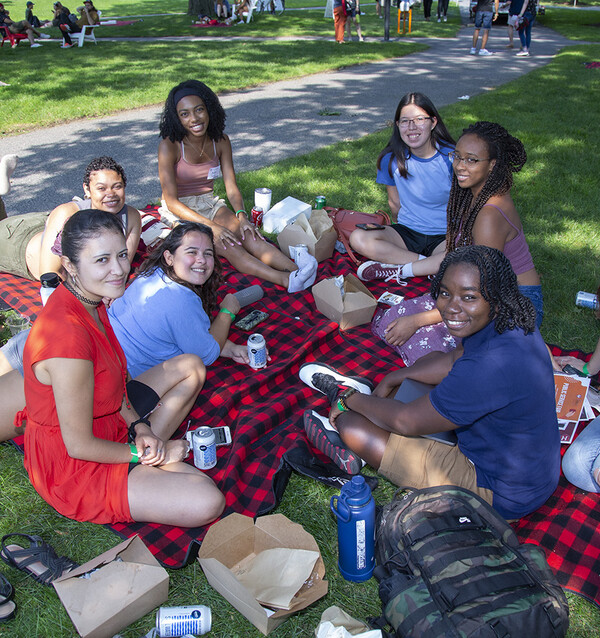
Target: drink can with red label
pixel 257 216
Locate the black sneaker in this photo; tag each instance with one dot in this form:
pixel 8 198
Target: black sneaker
pixel 325 379
pixel 330 443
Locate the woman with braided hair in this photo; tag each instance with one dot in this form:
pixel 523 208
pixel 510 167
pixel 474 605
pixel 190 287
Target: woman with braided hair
pixel 481 211
pixel 495 391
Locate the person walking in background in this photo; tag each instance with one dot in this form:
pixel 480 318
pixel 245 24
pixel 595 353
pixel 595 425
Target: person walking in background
pixel 442 10
pixel 484 16
pixel 339 20
pixel 353 15
pixel 525 13
pixel 427 9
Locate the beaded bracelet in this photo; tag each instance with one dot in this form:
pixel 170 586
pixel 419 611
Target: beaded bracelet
pixel 341 400
pixel 134 454
pixel 228 312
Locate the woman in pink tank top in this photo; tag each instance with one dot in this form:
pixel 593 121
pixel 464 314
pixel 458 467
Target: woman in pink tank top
pixel 193 152
pixel 481 211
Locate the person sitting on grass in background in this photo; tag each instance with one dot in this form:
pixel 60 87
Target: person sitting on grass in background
pixel 481 211
pixel 22 27
pixel 417 172
pixel 193 152
pixel 31 243
pixel 167 308
pixel 34 21
pixel 75 373
pixel 496 391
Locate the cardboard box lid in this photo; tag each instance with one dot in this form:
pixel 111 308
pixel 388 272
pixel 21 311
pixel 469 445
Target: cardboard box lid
pixel 357 307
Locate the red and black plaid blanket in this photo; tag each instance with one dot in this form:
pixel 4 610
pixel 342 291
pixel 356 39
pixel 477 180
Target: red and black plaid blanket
pixel 264 411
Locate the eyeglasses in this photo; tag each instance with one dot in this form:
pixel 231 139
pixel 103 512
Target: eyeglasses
pixel 419 121
pixel 455 158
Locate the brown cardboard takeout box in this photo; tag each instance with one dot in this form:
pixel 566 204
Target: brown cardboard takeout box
pixel 127 584
pixel 319 245
pixel 357 306
pixel 233 540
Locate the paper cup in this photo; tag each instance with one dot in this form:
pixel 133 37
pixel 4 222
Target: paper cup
pixel 262 198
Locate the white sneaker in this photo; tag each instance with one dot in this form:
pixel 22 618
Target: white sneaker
pixel 485 52
pixel 445 19
pixel 473 51
pixel 523 53
pixel 45 36
pixel 35 45
pixel 439 19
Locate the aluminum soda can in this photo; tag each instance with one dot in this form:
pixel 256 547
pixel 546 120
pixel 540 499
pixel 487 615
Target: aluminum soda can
pixel 586 300
pixel 257 351
pixel 202 441
pixel 320 202
pixel 256 215
pixel 180 621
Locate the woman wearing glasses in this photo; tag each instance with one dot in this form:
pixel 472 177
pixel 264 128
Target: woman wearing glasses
pixel 481 211
pixel 417 172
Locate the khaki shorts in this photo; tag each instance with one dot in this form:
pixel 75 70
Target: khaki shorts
pixel 15 234
pixel 417 462
pixel 206 205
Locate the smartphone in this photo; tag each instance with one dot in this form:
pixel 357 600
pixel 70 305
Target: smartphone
pixel 251 320
pixel 222 435
pixel 569 369
pixel 370 226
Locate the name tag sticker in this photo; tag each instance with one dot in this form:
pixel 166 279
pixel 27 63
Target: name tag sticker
pixel 214 172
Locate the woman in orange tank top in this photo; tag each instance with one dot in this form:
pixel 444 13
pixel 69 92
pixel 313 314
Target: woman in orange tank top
pixel 193 152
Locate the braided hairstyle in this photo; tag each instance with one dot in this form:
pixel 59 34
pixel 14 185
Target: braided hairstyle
pixel 510 156
pixel 171 127
pixel 208 291
pixel 440 136
pixel 497 285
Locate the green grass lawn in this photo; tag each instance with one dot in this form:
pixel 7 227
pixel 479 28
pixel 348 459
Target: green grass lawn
pixel 557 195
pixel 114 76
pixel 574 24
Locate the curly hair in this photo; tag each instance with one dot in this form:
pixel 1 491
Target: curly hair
pixel 103 163
pixel 208 291
pixel 440 136
pixel 171 127
pixel 83 226
pixel 498 286
pixel 510 156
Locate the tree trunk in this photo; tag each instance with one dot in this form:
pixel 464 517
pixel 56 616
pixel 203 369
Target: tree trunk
pixel 201 7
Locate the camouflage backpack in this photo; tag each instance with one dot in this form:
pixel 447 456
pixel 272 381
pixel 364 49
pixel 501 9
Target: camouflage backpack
pixel 449 566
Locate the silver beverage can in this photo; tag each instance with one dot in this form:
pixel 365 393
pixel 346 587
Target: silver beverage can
pixel 181 621
pixel 202 441
pixel 586 300
pixel 257 351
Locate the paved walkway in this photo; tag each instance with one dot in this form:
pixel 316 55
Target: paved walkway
pixel 271 122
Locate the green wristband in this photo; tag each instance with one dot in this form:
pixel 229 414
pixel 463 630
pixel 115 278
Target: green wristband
pixel 342 406
pixel 134 454
pixel 241 211
pixel 586 371
pixel 228 312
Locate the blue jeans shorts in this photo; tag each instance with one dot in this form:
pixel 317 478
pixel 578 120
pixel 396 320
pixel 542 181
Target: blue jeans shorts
pixel 484 18
pixel 534 294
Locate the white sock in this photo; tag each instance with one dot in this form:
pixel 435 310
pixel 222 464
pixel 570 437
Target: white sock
pixel 303 277
pixel 407 270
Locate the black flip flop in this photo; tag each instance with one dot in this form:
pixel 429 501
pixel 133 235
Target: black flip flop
pixel 38 552
pixel 7 606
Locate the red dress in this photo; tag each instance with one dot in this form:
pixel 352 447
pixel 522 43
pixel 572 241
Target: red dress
pixel 81 490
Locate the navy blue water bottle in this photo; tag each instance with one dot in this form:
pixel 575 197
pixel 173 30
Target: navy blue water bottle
pixel 354 509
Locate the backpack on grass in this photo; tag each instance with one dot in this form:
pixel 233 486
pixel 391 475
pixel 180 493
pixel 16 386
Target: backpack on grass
pixel 450 566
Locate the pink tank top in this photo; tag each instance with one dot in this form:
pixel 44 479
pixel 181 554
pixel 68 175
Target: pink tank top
pixel 517 250
pixel 192 179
